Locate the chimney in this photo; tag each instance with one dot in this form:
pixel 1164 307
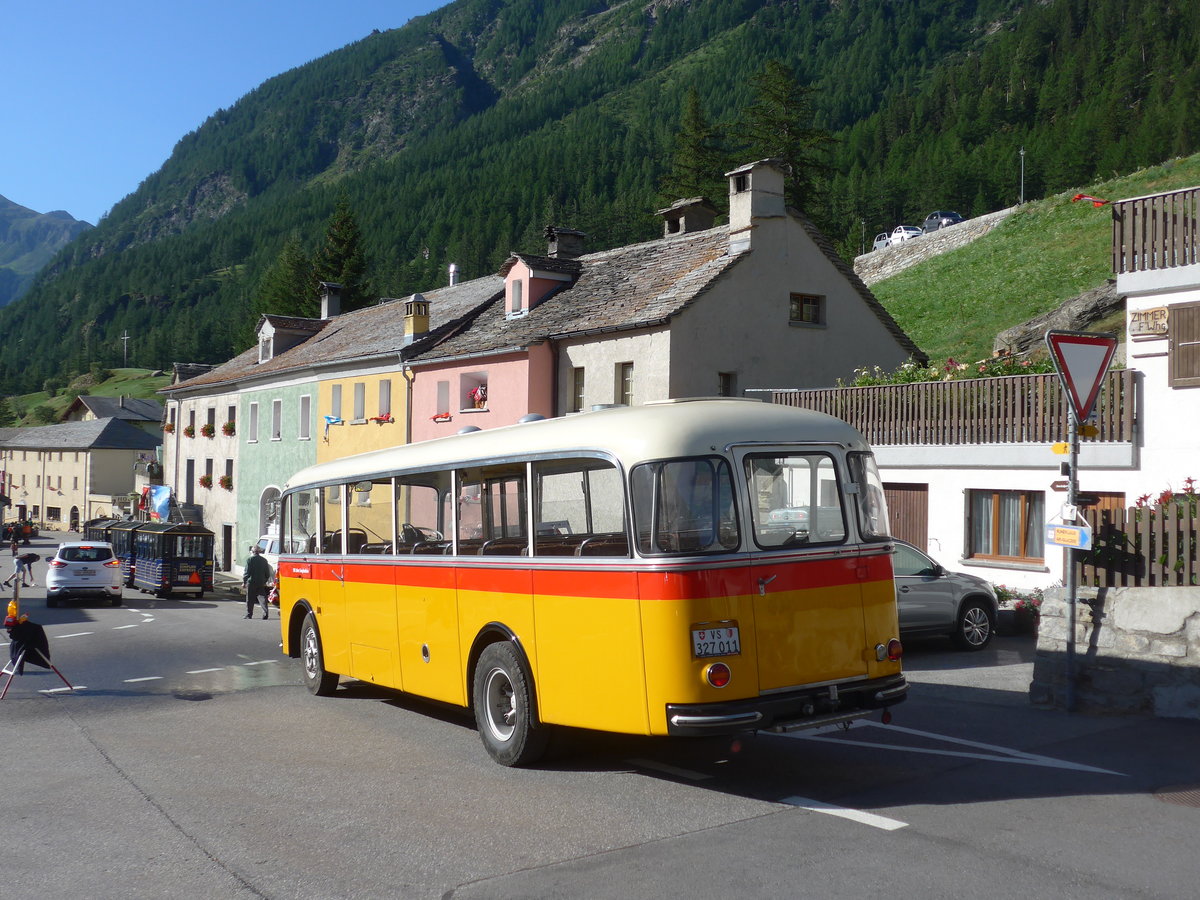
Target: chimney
pixel 331 299
pixel 755 194
pixel 453 274
pixel 687 216
pixel 564 243
pixel 416 318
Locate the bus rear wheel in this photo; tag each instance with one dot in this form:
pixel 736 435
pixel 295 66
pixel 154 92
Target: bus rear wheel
pixel 316 679
pixel 502 695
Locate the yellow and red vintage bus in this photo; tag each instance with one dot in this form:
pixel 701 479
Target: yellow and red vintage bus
pixel 692 567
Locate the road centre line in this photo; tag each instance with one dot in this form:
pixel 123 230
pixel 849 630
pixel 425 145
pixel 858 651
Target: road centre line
pixel 75 634
pixel 854 815
pixel 203 671
pixel 261 662
pixel 146 678
pixel 64 690
pixel 998 754
pixel 120 627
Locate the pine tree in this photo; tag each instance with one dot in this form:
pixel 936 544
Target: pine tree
pixel 342 259
pixel 697 161
pixel 289 286
pixel 779 124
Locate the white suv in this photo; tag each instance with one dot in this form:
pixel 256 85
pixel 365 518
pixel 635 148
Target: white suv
pixel 85 568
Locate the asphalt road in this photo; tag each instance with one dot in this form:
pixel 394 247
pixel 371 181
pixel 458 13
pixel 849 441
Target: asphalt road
pixel 191 763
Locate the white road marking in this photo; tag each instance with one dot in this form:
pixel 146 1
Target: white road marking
pixel 147 678
pixel 202 671
pixel 998 754
pixel 76 634
pixel 120 627
pixel 668 769
pixel 854 815
pixel 261 662
pixel 64 690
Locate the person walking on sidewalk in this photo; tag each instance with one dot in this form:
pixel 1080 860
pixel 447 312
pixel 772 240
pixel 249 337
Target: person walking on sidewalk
pixel 256 579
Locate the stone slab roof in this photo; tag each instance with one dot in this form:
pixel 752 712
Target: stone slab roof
pixel 131 409
pixel 95 434
pixel 628 287
pixel 376 331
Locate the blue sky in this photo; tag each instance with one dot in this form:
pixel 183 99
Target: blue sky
pixel 99 93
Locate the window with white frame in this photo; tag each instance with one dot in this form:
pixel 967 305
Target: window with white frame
pixel 335 401
pixel 443 397
pixel 360 402
pixel 473 390
pixel 385 398
pixel 1006 525
pixel 252 430
pixel 305 430
pixel 276 420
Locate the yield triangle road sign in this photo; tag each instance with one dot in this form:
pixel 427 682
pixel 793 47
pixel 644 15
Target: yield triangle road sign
pixel 1082 359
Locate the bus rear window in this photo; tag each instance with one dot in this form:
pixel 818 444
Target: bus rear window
pixel 795 499
pixel 685 506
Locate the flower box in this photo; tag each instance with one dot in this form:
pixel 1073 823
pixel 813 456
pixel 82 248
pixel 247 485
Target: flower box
pixel 207 430
pixel 169 428
pixel 205 481
pixel 226 482
pixel 189 431
pixel 229 429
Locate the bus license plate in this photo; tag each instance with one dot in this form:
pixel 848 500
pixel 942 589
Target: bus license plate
pixel 723 640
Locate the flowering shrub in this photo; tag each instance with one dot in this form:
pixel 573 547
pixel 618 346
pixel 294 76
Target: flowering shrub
pixel 226 482
pixel 1188 495
pixel 1003 363
pixel 189 431
pixel 1028 600
pixel 207 430
pixel 205 481
pixel 228 429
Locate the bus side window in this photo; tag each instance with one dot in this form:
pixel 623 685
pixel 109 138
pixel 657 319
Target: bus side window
pixel 579 505
pixel 300 521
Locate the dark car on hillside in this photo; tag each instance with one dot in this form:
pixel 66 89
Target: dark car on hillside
pixel 942 218
pixel 933 601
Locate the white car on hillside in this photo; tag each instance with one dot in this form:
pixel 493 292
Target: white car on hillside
pixel 905 233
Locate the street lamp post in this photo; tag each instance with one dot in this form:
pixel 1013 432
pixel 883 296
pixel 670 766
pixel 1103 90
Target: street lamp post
pixel 1022 176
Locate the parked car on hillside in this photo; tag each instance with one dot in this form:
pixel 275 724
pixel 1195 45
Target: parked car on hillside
pixel 905 233
pixel 933 601
pixel 883 239
pixel 942 218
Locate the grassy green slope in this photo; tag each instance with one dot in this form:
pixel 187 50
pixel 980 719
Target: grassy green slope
pixel 138 383
pixel 1043 255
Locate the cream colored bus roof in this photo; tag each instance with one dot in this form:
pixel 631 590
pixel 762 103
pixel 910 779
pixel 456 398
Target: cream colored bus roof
pixel 630 434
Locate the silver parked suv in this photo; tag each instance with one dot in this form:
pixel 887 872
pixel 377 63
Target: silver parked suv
pixel 933 601
pixel 84 569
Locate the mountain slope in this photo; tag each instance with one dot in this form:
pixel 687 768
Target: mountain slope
pixel 458 137
pixel 28 240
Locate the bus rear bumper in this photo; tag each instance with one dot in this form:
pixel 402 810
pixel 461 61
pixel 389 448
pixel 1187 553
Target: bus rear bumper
pixel 791 711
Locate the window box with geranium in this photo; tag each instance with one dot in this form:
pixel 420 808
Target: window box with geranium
pixel 226 481
pixel 189 430
pixel 169 428
pixel 229 429
pixel 205 481
pixel 208 429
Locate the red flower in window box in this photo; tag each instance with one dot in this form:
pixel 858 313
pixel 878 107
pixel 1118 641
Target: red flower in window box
pixel 169 428
pixel 205 481
pixel 385 419
pixel 208 430
pixel 229 429
pixel 226 482
pixel 441 417
pixel 189 431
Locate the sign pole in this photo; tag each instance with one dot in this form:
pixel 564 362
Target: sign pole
pixel 1070 579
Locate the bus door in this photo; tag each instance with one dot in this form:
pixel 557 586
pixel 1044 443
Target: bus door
pixel 426 590
pixel 322 579
pixel 806 581
pixel 368 583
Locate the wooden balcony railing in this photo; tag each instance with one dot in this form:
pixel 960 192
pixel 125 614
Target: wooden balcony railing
pixel 1156 232
pixel 1007 409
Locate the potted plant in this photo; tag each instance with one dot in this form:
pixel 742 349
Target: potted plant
pixel 208 430
pixel 226 481
pixel 205 481
pixel 478 396
pixel 169 428
pixel 189 430
pixel 229 429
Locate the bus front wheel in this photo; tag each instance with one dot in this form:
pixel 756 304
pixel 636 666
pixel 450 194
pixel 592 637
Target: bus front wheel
pixel 503 698
pixel 316 679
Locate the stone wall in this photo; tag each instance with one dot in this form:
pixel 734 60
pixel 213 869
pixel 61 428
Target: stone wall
pixel 1137 650
pixel 880 264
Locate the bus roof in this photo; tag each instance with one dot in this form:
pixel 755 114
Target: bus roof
pixel 671 428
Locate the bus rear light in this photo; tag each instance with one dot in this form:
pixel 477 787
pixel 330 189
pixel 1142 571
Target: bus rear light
pixel 895 649
pixel 718 675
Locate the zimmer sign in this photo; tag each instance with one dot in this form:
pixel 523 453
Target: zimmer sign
pixel 1148 322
